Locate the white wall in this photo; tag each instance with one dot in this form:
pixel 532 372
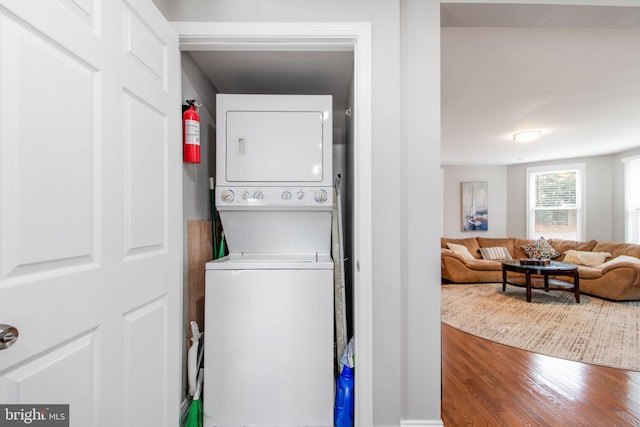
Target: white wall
pixel 420 216
pixel 195 177
pixel 604 202
pixel 516 200
pixel 499 210
pixel 599 203
pixel 507 197
pixel 195 85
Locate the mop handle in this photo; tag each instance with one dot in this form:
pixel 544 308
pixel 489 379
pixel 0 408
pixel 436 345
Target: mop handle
pixel 214 238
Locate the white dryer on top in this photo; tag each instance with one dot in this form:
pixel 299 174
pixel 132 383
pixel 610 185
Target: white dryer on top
pixel 274 172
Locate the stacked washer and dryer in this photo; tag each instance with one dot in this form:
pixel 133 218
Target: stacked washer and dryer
pixel 269 303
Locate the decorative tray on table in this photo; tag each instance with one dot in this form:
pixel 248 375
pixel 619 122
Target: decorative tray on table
pixel 533 261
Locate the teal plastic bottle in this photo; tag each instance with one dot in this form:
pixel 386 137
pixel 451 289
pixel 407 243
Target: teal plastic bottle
pixel 343 410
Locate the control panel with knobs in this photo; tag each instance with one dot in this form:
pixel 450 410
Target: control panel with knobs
pixel 273 196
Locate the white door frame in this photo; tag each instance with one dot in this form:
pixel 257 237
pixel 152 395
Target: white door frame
pixel 307 36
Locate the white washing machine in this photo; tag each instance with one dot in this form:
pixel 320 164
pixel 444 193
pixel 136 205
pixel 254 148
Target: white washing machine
pixel 269 304
pixel 269 342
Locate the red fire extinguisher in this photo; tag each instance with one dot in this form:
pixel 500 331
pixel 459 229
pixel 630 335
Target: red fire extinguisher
pixel 191 133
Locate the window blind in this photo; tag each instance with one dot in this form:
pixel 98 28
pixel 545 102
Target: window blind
pixel 555 208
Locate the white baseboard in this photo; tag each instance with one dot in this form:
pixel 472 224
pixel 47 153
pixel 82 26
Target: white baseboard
pixel 421 423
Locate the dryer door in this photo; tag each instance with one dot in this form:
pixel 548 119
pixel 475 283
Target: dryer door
pixel 274 146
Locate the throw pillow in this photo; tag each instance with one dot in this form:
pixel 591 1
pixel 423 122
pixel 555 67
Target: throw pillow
pixel 540 249
pixel 495 253
pixel 589 259
pixel 619 259
pixel 460 250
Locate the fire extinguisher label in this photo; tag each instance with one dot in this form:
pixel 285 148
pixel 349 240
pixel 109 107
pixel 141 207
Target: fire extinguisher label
pixel 192 132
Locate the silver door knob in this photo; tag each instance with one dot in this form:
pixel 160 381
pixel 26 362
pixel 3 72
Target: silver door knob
pixel 8 336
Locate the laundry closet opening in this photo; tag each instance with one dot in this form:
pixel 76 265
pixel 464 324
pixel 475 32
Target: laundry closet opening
pixel 205 73
pixel 278 72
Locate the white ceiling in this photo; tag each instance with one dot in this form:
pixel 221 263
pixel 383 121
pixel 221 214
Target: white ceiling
pixel 571 71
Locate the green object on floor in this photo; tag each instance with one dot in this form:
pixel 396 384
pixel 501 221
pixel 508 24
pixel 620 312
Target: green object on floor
pixel 194 416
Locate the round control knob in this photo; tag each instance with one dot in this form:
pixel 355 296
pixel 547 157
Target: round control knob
pixel 300 195
pixel 258 195
pixel 321 196
pixel 246 195
pixel 286 195
pixel 227 196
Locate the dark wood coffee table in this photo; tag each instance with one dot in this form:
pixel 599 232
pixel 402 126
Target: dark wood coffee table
pixel 554 268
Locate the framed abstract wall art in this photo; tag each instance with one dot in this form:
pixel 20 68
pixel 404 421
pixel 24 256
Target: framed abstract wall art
pixel 475 206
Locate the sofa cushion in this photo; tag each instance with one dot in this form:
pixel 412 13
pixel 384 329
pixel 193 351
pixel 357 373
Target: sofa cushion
pixel 460 250
pixel 484 265
pixel 540 249
pixel 471 243
pixel 495 253
pixel 493 242
pixel 588 273
pixel 590 259
pixel 619 259
pixel 617 249
pixel 562 245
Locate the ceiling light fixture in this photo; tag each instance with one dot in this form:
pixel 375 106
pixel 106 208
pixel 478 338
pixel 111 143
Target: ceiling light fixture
pixel 527 135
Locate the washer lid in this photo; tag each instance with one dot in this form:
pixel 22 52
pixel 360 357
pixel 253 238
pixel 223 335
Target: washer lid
pixel 260 261
pixel 277 231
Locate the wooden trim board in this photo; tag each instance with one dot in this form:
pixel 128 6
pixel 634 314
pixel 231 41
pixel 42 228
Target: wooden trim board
pixel 199 252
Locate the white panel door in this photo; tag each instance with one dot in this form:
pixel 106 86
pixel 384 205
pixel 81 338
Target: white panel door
pixel 90 202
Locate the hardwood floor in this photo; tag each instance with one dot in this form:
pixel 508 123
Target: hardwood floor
pixel 490 384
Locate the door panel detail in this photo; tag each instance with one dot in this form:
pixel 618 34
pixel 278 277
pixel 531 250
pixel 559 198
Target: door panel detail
pixel 83 10
pixel 143 47
pixel 145 146
pixel 63 375
pixel 46 202
pixel 145 365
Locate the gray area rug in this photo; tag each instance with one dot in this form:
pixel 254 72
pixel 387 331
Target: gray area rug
pixel 595 331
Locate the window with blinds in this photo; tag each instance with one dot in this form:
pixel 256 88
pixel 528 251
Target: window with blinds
pixel 632 199
pixel 555 202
